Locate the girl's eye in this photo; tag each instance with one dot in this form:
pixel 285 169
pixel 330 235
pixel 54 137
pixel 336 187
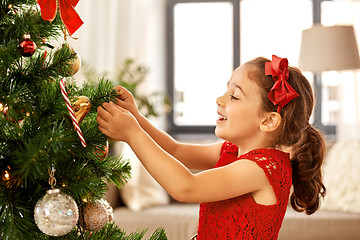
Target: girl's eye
pixel 233 97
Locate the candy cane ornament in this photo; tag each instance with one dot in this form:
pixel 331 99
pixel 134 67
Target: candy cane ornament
pixel 71 111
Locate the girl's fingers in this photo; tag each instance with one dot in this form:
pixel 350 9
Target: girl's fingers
pixel 108 110
pixel 104 113
pixel 119 89
pixel 121 103
pixel 111 108
pixel 103 130
pixel 100 121
pixel 118 107
pixel 122 92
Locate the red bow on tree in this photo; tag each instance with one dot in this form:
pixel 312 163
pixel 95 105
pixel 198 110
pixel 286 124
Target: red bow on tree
pixel 68 14
pixel 281 93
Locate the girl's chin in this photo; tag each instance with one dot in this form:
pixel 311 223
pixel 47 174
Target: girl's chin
pixel 218 132
pixel 222 133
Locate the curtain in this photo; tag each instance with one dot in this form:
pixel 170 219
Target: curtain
pixel 114 30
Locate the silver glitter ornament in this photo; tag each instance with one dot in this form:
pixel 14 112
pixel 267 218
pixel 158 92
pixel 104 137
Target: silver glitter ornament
pixel 56 213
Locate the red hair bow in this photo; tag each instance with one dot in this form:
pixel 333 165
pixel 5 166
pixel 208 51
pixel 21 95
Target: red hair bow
pixel 281 93
pixel 68 14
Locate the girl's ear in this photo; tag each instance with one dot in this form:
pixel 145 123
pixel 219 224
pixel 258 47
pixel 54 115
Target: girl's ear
pixel 270 122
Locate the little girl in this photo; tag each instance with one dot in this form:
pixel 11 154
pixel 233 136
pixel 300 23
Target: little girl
pixel 268 146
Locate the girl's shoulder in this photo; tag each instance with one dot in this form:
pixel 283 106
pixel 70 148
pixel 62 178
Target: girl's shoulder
pixel 275 163
pixel 229 152
pixel 231 148
pixel 266 153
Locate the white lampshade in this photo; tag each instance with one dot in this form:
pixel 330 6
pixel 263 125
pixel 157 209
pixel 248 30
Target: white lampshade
pixel 328 48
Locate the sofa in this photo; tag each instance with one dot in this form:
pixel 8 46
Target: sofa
pixel 143 204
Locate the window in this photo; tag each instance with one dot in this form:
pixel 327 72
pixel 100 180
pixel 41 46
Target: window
pixel 203 50
pixel 208 39
pixel 340 95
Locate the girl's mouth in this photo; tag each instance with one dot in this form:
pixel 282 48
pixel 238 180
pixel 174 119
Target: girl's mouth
pixel 221 117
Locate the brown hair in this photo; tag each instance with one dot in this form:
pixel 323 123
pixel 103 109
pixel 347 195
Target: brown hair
pixel 308 145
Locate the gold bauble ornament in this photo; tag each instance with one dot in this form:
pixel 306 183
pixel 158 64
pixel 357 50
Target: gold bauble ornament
pixel 75 64
pixel 81 106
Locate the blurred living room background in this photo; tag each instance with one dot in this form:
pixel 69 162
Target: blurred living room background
pixel 191 48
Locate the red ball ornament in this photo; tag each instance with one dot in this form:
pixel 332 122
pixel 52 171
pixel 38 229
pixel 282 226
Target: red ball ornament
pixel 101 154
pixel 19 115
pixel 27 47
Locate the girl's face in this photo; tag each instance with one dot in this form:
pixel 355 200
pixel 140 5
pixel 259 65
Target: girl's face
pixel 239 109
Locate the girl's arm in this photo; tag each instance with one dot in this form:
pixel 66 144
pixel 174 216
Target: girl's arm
pixel 191 155
pixel 221 183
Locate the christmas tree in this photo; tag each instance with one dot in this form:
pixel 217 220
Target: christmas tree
pixel 54 161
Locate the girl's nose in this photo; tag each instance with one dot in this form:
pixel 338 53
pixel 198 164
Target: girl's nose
pixel 220 100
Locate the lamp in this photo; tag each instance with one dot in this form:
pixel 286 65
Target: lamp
pixel 328 48
pixel 324 49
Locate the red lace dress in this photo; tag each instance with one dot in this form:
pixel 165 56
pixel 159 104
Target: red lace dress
pixel 241 217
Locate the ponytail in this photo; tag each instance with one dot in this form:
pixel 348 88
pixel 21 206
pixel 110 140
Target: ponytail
pixel 307 176
pixel 307 143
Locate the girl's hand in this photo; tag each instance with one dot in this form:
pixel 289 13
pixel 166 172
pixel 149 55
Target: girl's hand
pixel 126 100
pixel 116 122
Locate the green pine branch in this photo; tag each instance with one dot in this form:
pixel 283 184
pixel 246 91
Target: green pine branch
pixel 112 232
pixel 37 134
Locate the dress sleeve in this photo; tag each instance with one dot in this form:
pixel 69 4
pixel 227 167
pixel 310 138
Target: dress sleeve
pixel 274 170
